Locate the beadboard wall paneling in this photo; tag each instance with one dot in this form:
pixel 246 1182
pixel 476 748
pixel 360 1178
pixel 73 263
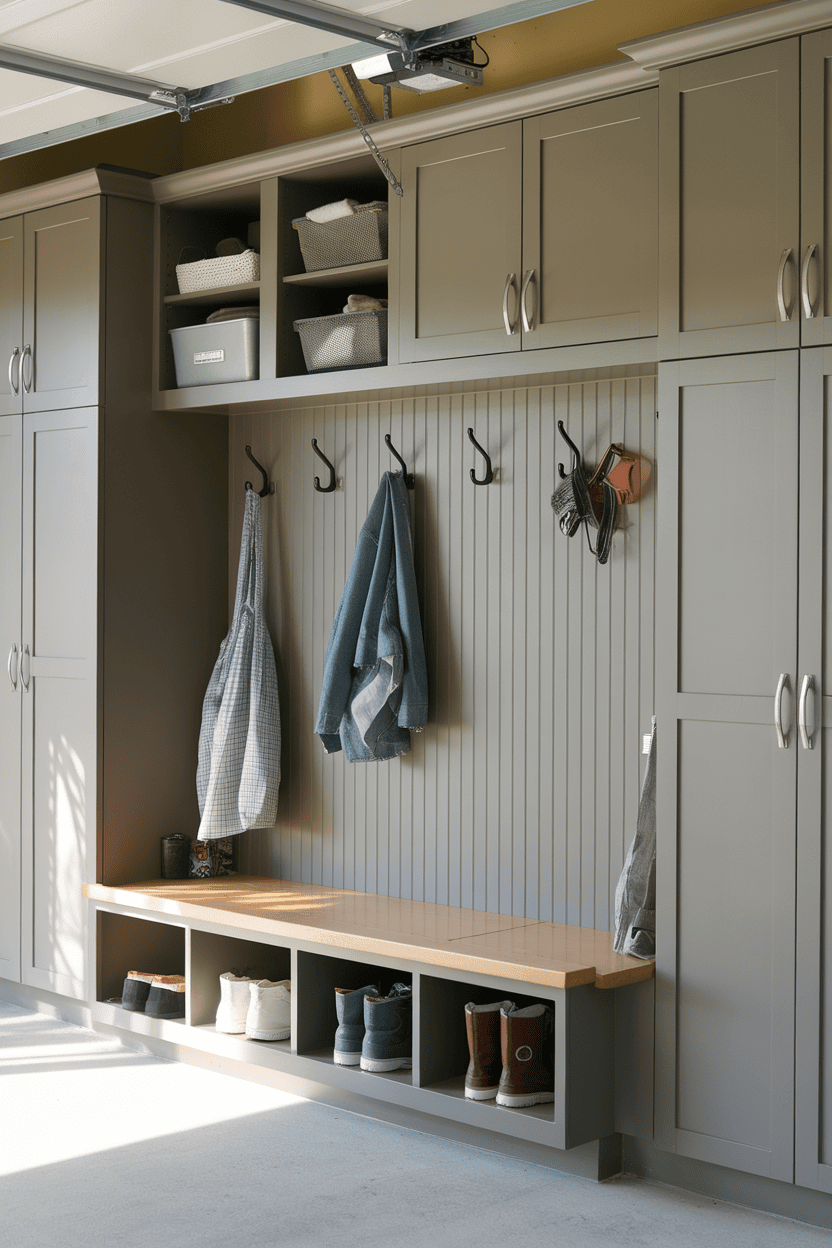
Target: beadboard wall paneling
pixel 520 797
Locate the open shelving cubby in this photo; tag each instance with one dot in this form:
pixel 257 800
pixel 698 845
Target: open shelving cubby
pixel 443 1044
pixel 318 975
pixel 322 293
pixel 127 943
pixel 214 953
pixel 203 221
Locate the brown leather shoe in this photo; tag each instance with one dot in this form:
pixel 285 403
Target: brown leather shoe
pixel 482 1022
pixel 527 1046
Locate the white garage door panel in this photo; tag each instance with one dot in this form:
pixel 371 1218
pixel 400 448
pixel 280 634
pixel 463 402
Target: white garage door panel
pixel 187 43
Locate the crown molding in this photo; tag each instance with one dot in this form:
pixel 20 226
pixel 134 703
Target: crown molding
pixel 487 110
pixel 76 186
pixel 725 34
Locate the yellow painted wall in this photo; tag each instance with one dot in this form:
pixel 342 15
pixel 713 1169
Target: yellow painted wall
pixel 544 47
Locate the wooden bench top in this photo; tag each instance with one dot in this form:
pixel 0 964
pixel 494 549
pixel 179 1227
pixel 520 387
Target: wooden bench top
pixel 552 954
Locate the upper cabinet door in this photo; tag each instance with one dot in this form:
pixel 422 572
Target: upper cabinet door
pixel 590 222
pixel 11 315
pixel 729 203
pixel 460 251
pixel 816 188
pixel 62 278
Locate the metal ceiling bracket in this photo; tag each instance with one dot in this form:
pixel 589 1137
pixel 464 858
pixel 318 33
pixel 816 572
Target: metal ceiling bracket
pixel 366 136
pixel 186 103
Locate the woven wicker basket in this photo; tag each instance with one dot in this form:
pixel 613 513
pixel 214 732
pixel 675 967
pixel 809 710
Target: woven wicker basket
pixel 219 271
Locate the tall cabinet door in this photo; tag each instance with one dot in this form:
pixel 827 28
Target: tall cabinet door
pixel 10 694
pixel 590 222
pixel 461 245
pixel 726 635
pixel 60 608
pixel 813 1067
pixel 816 187
pixel 62 276
pixel 11 314
pixel 729 203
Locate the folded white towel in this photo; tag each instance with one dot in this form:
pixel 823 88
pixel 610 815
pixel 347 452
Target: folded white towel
pixel 364 303
pixel 331 212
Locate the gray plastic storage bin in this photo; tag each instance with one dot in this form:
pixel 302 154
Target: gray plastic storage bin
pixel 224 351
pixel 355 239
pixel 346 340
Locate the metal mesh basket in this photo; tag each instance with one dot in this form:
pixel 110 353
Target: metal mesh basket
pixel 346 340
pixel 355 239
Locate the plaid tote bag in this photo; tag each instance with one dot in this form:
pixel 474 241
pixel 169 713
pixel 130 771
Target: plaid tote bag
pixel 238 774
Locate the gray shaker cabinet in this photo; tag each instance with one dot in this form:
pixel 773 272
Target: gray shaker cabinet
pixel 461 245
pixel 813 1089
pixel 729 203
pixel 50 298
pixel 58 678
pixel 590 222
pixel 11 692
pixel 48 619
pixel 816 188
pixel 11 314
pixel 726 632
pixel 540 233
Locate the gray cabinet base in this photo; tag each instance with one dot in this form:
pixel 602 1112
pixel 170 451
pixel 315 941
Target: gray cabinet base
pixel 754 1191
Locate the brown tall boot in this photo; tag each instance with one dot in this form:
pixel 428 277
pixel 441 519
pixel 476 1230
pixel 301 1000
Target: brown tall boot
pixel 527 1046
pixel 482 1022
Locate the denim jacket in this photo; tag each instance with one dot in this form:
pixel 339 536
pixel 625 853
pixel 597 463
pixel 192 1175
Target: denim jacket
pixel 375 685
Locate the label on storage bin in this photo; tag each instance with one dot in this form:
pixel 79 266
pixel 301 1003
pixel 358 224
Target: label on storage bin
pixel 209 357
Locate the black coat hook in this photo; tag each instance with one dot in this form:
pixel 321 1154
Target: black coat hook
pixel 409 478
pixel 324 489
pixel 489 474
pixel 268 487
pixel 576 454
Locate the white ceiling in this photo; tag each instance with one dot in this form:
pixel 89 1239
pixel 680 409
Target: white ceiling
pixel 186 43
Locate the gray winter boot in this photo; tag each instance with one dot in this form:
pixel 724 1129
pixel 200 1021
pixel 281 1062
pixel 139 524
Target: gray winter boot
pixel 388 1030
pixel 349 1007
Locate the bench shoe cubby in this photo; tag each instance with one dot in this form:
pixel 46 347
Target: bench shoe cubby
pixel 322 939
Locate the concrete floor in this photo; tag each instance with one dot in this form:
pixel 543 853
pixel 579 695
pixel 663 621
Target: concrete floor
pixel 100 1144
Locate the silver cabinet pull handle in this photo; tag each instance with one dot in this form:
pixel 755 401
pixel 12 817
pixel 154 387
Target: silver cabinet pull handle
pixel 782 737
pixel 511 280
pixel 13 659
pixel 781 300
pixel 25 668
pixel 14 386
pixel 526 283
pixel 804 280
pixel 808 683
pixel 27 386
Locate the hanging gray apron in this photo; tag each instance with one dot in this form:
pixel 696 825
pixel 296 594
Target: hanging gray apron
pixel 239 744
pixel 635 895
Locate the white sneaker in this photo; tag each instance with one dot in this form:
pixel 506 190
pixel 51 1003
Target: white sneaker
pixel 234 1002
pixel 270 1010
